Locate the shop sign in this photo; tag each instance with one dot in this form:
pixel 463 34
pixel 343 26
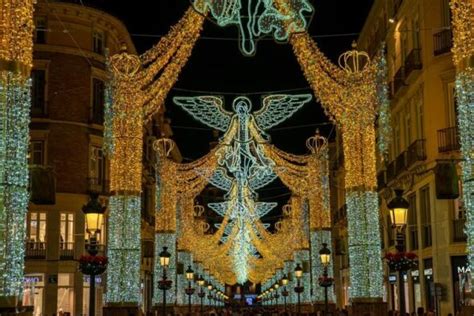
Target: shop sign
pixel 98 279
pixel 32 279
pixel 428 272
pixel 392 278
pixel 464 270
pixel 415 273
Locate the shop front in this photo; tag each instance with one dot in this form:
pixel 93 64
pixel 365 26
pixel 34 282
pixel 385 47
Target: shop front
pixel 33 292
pixel 462 288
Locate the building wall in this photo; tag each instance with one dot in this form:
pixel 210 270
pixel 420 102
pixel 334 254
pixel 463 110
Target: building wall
pixel 71 132
pixel 421 76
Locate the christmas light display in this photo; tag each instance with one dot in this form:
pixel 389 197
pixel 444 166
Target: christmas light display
pixel 256 18
pixel 350 98
pixel 16 43
pixel 463 49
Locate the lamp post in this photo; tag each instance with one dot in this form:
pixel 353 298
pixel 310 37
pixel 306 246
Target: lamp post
pixel 164 284
pixel 272 296
pixel 325 257
pixel 398 208
pixel 299 289
pixel 284 293
pixel 201 294
pixel 209 295
pixel 94 213
pixel 189 291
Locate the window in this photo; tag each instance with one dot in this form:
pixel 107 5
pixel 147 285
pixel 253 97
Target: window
pixel 445 13
pixel 98 100
pixel 40 30
pixel 36 229
pixel 396 135
pixel 66 233
pixel 452 105
pixel 408 133
pixel 36 153
pixel 98 170
pixel 38 92
pixel 66 293
pixel 98 42
pixel 416 33
pixel 420 125
pixel 412 222
pixel 425 209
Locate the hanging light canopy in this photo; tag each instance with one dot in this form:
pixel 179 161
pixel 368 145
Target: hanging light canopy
pixel 325 255
pixel 398 207
pixel 94 213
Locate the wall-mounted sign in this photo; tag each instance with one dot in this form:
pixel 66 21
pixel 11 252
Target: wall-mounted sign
pixel 53 279
pixel 428 272
pixel 415 273
pixel 392 278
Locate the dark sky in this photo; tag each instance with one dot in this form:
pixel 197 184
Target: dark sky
pixel 218 66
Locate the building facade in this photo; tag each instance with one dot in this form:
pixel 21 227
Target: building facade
pixel 66 159
pixel 423 159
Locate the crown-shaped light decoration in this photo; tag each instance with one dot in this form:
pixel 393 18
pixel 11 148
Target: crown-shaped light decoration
pixel 198 211
pixel 316 143
pixel 125 64
pixel 354 61
pixel 164 146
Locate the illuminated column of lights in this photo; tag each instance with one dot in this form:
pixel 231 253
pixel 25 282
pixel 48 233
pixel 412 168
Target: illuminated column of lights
pixel 165 239
pixel 350 97
pixel 463 49
pixel 123 275
pixel 319 237
pixel 16 23
pixel 288 270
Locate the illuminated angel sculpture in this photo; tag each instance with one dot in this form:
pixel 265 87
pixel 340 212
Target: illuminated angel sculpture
pixel 243 166
pixel 255 18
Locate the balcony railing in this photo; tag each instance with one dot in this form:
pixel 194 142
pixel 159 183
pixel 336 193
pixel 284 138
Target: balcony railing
pixel 66 250
pixel 413 61
pixel 458 230
pixel 448 139
pixel 35 250
pixel 96 185
pixel 442 42
pixel 416 152
pixel 400 163
pixel 398 80
pixel 396 6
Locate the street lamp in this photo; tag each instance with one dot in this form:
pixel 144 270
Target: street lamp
pixel 164 284
pixel 189 291
pixel 398 208
pixel 325 257
pixel 284 293
pixel 201 293
pixel 299 289
pixel 94 213
pixel 277 296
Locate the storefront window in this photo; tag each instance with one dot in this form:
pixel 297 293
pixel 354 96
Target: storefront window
pixel 66 294
pixel 66 235
pixel 461 272
pixel 98 294
pixel 33 287
pixel 416 289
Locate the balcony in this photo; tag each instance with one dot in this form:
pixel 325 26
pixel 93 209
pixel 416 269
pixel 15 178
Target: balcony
pixel 416 152
pixel 400 163
pixel 458 230
pixel 96 185
pixel 413 62
pixel 35 250
pixel 66 250
pixel 442 42
pixel 448 139
pixel 398 80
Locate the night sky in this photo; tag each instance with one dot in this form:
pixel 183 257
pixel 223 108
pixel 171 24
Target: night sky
pixel 218 66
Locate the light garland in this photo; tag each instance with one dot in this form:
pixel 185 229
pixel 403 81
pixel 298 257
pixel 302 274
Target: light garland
pixel 257 18
pixel 463 51
pixel 16 44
